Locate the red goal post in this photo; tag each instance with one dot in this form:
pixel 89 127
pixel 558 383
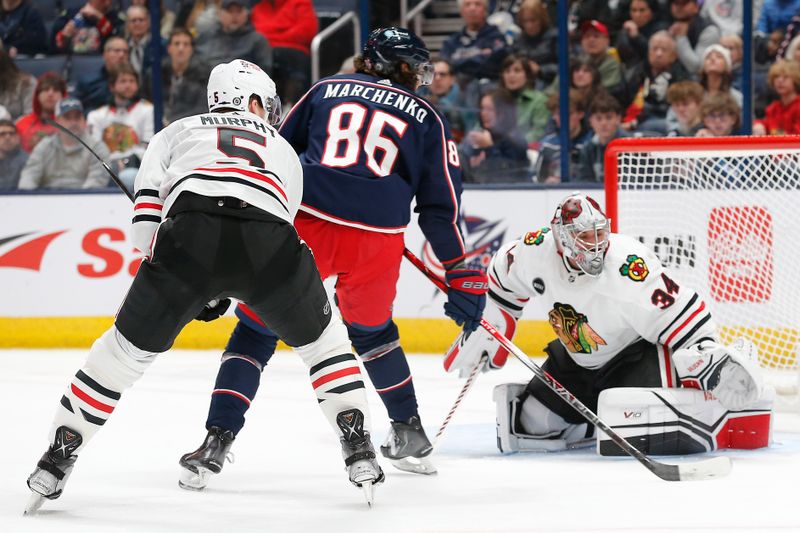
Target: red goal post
pixel 724 214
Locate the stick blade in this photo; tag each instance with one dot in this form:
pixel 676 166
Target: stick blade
pixel 715 467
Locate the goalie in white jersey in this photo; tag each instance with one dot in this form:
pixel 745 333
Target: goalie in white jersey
pixel 621 320
pixel 215 198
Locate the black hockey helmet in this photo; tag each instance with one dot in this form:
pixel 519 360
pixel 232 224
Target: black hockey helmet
pixel 387 47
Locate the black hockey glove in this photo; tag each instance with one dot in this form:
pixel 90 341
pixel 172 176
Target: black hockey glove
pixel 213 310
pixel 466 297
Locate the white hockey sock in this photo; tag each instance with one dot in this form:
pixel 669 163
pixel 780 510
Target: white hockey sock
pixel 335 374
pixel 113 365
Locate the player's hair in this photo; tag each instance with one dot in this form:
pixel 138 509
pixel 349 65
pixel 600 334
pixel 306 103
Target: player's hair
pixel 783 67
pixel 180 30
pixel 538 9
pixel 505 109
pixel 119 70
pixel 402 76
pixel 577 102
pixel 685 91
pixel 720 103
pixel 111 39
pixel 604 103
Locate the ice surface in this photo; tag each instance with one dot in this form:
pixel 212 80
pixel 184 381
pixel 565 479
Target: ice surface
pixel 289 475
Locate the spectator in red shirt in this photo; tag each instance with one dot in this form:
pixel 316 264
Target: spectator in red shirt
pixel 782 115
pixel 50 89
pixel 289 26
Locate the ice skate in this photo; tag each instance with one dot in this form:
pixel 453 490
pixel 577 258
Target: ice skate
pixel 359 455
pixel 53 469
pixel 198 466
pixel 407 447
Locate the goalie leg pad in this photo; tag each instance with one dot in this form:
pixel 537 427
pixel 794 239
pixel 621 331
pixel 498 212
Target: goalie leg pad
pixel 335 374
pixel 524 424
pixel 113 365
pixel 680 421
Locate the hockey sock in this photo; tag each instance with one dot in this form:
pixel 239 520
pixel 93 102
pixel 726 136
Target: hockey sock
pixel 113 365
pixel 239 376
pixel 388 370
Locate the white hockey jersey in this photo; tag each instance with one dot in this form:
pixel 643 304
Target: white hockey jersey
pixel 595 318
pixel 215 154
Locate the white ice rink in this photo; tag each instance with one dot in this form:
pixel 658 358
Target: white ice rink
pixel 289 476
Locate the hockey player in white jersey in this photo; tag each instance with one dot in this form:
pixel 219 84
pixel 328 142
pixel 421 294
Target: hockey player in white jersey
pixel 621 320
pixel 216 195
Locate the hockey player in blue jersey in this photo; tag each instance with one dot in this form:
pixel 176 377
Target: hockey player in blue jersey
pixel 369 147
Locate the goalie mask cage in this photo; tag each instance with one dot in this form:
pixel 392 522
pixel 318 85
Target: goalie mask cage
pixel 724 214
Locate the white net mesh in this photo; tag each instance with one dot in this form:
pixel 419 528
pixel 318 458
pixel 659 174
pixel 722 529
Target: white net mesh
pixel 724 218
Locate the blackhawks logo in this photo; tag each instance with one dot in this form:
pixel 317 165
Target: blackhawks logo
pixel 634 268
pixel 573 329
pixel 535 237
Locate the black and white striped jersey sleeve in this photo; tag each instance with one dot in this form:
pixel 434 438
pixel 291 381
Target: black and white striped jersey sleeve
pixel 504 272
pixel 148 204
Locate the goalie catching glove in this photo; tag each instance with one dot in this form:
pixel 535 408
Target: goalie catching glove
pixel 469 347
pixel 731 373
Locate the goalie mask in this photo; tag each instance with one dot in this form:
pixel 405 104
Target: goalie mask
pixel 231 85
pixel 581 232
pixel 386 48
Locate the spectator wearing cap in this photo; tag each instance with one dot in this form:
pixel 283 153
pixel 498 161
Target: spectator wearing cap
pixel 92 89
pixel 782 117
pixel 595 44
pixel 12 157
pixel 632 38
pixel 692 32
pixel 477 50
pixel 21 28
pixel 137 29
pixel 289 26
pixel 184 77
pixel 649 82
pixel 60 162
pixel 33 127
pixel 234 38
pixel 84 30
pixel 537 41
pixel 715 74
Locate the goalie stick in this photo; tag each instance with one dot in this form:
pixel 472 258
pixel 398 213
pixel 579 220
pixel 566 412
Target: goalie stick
pixel 692 471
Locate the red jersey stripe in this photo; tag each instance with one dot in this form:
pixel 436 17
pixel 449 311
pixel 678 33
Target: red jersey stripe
pixel 148 206
pixel 687 321
pixel 249 174
pixel 335 375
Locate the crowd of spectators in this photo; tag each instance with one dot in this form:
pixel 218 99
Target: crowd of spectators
pixel 636 68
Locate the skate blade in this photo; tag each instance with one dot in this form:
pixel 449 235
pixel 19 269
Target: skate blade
pixel 34 503
pixel 415 465
pixel 369 494
pixel 194 481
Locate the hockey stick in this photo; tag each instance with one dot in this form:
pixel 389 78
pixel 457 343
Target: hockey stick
pixel 464 390
pixel 114 177
pixel 702 469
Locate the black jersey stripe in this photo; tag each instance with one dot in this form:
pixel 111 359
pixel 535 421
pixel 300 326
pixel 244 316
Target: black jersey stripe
pixel 688 336
pixel 147 218
pixel 497 279
pixel 67 404
pixel 97 387
pixel 231 179
pixel 683 312
pixel 331 361
pixel 505 303
pixel 93 419
pixel 146 192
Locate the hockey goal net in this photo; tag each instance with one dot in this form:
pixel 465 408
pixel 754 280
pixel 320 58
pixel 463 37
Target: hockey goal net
pixel 724 214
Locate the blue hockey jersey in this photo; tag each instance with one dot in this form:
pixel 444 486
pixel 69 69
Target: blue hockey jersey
pixel 368 149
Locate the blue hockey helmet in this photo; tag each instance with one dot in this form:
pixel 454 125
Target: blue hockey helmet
pixel 387 47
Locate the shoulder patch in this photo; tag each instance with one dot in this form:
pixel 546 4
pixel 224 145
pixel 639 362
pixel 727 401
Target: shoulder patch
pixel 635 268
pixel 535 237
